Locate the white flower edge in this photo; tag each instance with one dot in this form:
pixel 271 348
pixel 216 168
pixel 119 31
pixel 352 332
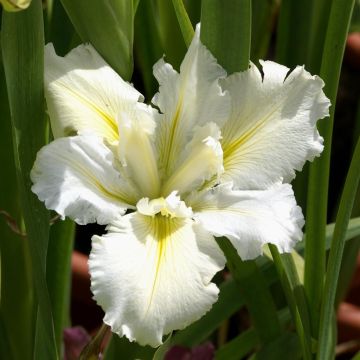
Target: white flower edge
pixel 271 131
pixel 250 219
pixel 75 176
pixel 152 275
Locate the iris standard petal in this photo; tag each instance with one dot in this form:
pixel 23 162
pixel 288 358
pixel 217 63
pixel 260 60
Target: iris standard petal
pixel 84 93
pixel 272 128
pixel 76 177
pixel 137 152
pixel 191 98
pixel 152 275
pixel 201 160
pixel 250 219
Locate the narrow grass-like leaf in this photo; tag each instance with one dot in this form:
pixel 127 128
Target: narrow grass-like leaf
pixel 147 45
pixel 295 296
pixel 186 27
pixel 108 26
pixel 352 231
pixel 58 273
pixel 230 300
pixel 92 350
pixel 226 31
pixel 337 247
pixel 352 247
pixel 161 350
pixel 61 30
pixel 16 301
pixel 255 292
pixel 293 32
pixel 319 170
pixel 124 349
pixel 318 23
pixel 263 18
pixel 286 346
pixel 238 347
pixel 22 41
pixel 170 34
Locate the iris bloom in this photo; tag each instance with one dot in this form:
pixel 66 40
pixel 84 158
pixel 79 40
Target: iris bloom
pixel 214 160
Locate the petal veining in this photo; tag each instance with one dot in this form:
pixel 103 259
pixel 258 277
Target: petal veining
pixel 201 160
pixel 191 98
pixel 272 128
pixel 250 218
pixel 75 176
pixel 136 147
pixel 152 275
pixel 84 93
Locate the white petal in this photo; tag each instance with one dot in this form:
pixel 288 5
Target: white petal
pixel 75 176
pixel 201 160
pixel 272 128
pixel 154 275
pixel 251 219
pixel 190 98
pixel 84 93
pixel 171 206
pixel 136 147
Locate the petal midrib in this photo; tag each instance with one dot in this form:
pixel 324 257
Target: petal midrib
pixel 108 120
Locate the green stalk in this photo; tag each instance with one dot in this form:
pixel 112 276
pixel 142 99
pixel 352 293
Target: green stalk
pixel 58 274
pixel 108 26
pixel 16 302
pixel 184 21
pixel 336 250
pixel 319 170
pixel 170 34
pixel 293 32
pixel 22 39
pixel 295 296
pixel 226 31
pixel 255 292
pixel 147 46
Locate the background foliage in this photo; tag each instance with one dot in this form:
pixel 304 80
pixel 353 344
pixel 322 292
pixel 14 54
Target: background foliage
pixel 275 307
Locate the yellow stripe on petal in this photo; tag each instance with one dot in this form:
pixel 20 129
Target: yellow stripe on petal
pixel 152 275
pixel 136 150
pixel 84 94
pixel 202 160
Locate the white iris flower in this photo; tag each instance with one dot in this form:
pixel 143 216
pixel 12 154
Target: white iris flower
pixel 215 161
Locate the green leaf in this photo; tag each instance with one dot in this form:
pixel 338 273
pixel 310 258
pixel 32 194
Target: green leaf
pixel 295 295
pixel 147 45
pixel 255 292
pixel 17 302
pixel 58 273
pixel 108 26
pixel 293 32
pixel 338 242
pixel 287 346
pixel 184 22
pixel 263 18
pixel 230 300
pixel 238 347
pixel 122 348
pixel 161 350
pixel 319 170
pixel 170 33
pixel 61 30
pixel 226 32
pixel 22 41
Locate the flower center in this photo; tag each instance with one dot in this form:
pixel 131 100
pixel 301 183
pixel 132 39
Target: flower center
pixel 171 206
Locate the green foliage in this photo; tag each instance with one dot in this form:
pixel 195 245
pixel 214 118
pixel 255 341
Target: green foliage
pixel 290 317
